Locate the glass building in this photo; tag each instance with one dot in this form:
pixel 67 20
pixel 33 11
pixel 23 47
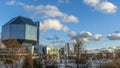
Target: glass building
pixel 22 29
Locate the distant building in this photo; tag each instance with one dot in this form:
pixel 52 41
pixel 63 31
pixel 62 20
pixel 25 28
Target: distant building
pixel 93 51
pixel 71 50
pixel 51 52
pixel 23 29
pixel 67 51
pixel 62 52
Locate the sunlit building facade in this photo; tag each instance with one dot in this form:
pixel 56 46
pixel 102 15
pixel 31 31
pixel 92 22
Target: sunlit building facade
pixel 51 52
pixel 23 29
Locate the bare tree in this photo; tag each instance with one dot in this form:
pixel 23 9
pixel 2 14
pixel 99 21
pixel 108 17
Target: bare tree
pixel 28 61
pixel 79 49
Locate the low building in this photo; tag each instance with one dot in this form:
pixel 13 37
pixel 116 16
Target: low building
pixel 50 52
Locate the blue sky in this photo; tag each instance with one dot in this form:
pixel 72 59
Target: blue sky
pixel 64 20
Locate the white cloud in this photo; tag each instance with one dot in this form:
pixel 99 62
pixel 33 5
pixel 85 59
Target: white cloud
pixel 49 11
pixel 70 18
pixel 11 2
pixel 84 40
pixel 114 36
pixel 91 2
pixel 97 36
pixel 84 35
pixel 46 11
pixel 107 7
pixel 102 5
pixel 52 24
pixel 65 28
pixel 72 35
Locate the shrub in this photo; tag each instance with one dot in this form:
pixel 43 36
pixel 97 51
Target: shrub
pixel 117 62
pixel 52 66
pixel 28 63
pixel 110 65
pixel 81 61
pixel 8 62
pixel 37 63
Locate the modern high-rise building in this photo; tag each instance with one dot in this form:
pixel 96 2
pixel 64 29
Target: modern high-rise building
pixel 23 29
pixel 67 50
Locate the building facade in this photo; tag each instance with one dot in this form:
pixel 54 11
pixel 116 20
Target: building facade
pixel 23 29
pixel 51 52
pixel 70 49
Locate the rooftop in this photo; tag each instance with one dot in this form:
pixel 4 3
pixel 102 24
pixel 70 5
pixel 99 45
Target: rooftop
pixel 21 20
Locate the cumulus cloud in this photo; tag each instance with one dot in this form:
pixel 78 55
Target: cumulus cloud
pixel 65 28
pixel 84 36
pixel 107 7
pixel 102 5
pixel 11 2
pixel 91 2
pixel 72 35
pixel 114 36
pixel 97 36
pixel 52 24
pixel 69 18
pixel 48 11
pixel 84 40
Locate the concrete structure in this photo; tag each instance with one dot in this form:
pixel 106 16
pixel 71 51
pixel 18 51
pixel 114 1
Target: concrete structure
pixel 23 29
